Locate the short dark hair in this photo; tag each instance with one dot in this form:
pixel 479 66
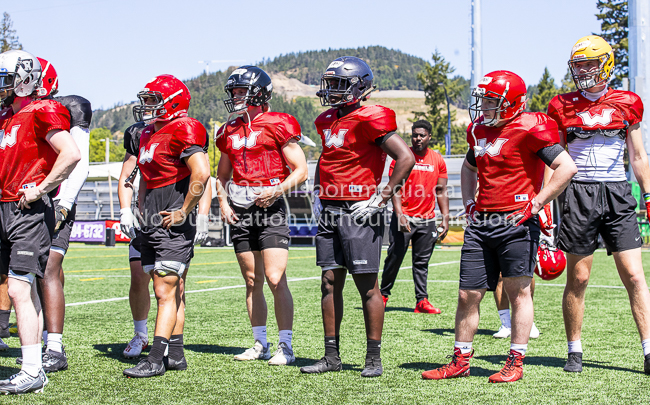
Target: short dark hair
pixel 424 124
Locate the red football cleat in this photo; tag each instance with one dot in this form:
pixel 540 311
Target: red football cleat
pixel 425 307
pixel 459 367
pixel 512 371
pixel 385 298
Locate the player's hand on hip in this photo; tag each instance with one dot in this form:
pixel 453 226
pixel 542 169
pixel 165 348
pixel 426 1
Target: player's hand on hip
pixel 228 215
pixel 172 218
pixel 403 223
pixel 520 216
pixel 268 197
pixel 202 222
pixel 365 209
pixel 28 195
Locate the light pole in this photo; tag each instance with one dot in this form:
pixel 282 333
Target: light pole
pixel 448 136
pixel 110 181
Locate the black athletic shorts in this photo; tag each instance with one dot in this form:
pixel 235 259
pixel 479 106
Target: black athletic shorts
pixel 494 246
pixel 342 242
pixel 159 244
pixel 61 239
pixel 26 236
pixel 605 209
pixel 260 228
pixel 134 247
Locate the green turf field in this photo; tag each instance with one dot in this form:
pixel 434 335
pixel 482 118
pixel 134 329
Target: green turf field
pixel 217 327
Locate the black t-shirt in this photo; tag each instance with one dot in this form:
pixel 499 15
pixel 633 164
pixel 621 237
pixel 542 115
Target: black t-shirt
pixel 132 138
pixel 81 111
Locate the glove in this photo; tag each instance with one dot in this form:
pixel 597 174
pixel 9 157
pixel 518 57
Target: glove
pixel 519 217
pixel 60 213
pixel 546 220
pixel 202 222
pixel 646 198
pixel 470 212
pixel 365 209
pixel 317 207
pixel 128 223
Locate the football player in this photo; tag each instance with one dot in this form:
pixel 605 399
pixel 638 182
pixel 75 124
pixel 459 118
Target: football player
pixel 508 150
pixel 174 174
pixel 356 140
pixel 139 299
pixel 414 218
pixel 51 285
pixel 37 153
pixel 260 150
pixel 596 123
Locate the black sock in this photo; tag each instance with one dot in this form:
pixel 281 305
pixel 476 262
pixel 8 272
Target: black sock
pixel 176 347
pixel 158 349
pixel 4 320
pixel 331 348
pixel 338 340
pixel 374 348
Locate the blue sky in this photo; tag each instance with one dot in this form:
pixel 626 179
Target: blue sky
pixel 106 50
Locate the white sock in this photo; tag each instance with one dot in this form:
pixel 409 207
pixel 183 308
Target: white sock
pixel 646 347
pixel 519 348
pixel 45 336
pixel 140 326
pixel 576 346
pixel 55 342
pixel 504 314
pixel 32 360
pixel 285 336
pixel 465 347
pixel 259 333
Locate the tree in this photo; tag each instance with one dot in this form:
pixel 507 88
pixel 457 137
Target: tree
pixel 98 148
pixel 435 100
pixel 544 93
pixel 613 15
pixel 8 37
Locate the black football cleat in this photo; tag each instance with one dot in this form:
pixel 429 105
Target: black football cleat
pixel 574 363
pixel 323 365
pixel 54 361
pixel 145 369
pixel 646 364
pixel 171 364
pixel 372 368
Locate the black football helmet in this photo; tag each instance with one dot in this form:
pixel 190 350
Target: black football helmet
pixel 257 83
pixel 347 80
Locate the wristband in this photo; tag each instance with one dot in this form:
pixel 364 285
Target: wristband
pixel 646 197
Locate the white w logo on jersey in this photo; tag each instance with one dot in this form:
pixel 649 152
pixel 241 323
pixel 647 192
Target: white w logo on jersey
pixel 492 149
pixel 247 141
pixel 604 118
pixel 335 140
pixel 146 156
pixel 8 140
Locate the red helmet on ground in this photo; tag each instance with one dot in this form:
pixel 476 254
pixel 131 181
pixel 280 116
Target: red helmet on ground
pixel 551 261
pixel 163 98
pixel 49 79
pixel 504 87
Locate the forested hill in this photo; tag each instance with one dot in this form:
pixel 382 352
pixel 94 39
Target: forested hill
pixel 394 70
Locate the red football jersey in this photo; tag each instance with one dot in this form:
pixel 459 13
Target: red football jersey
pixel 256 152
pixel 26 156
pixel 616 109
pixel 352 164
pixel 509 171
pixel 160 158
pixel 419 191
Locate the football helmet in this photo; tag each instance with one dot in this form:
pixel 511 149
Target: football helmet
pixel 49 80
pixel 504 87
pixel 20 74
pixel 551 261
pixel 347 80
pixel 591 47
pixel 171 100
pixel 258 87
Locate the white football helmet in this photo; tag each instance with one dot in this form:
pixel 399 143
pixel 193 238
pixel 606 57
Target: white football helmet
pixel 20 73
